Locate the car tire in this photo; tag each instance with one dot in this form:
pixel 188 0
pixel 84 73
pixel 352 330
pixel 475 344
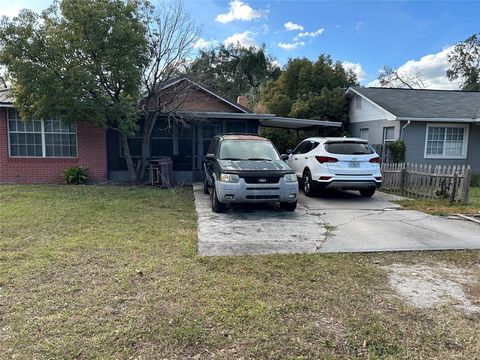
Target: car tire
pixel 367 192
pixel 308 186
pixel 205 186
pixel 217 206
pixel 288 206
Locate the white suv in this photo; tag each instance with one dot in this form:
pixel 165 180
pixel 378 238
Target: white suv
pixel 336 163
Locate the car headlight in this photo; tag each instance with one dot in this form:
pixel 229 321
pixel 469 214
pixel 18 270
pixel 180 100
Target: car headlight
pixel 231 178
pixel 290 177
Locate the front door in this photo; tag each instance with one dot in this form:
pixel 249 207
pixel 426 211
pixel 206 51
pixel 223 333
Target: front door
pixel 204 133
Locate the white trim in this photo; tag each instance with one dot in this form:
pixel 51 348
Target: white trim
pixel 444 125
pixel 390 116
pixel 465 120
pixel 208 91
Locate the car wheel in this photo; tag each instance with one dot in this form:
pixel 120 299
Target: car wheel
pixel 288 206
pixel 367 192
pixel 205 186
pixel 308 187
pixel 217 206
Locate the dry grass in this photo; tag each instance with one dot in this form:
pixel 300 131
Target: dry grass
pixel 443 207
pixel 112 272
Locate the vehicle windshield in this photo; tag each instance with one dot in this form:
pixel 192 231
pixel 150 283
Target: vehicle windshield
pixel 248 150
pixel 348 148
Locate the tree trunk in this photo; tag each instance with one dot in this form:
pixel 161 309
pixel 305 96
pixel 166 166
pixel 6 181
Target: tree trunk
pixel 147 132
pixel 132 174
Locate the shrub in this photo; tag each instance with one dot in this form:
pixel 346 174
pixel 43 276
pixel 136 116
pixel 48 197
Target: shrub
pixel 475 181
pixel 75 175
pixel 397 151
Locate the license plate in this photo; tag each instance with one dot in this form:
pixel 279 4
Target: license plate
pixel 354 164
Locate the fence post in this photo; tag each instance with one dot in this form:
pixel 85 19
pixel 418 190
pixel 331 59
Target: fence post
pixel 453 190
pixel 467 177
pixel 403 174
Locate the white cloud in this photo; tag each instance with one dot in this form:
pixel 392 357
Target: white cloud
pixel 290 26
pixel 356 68
pixel 290 46
pixel 240 11
pixel 311 33
pixel 202 43
pixel 433 68
pixel 358 25
pixel 276 63
pixel 243 39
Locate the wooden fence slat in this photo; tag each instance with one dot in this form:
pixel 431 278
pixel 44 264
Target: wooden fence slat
pixel 427 181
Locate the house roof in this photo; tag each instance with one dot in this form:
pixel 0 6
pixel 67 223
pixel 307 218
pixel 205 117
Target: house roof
pixel 5 97
pixel 208 90
pixel 424 104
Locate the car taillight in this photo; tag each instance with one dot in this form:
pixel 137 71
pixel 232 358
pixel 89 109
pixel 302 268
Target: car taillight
pixel 325 159
pixel 375 160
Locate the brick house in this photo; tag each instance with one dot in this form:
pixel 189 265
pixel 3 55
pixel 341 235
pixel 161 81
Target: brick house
pixel 38 151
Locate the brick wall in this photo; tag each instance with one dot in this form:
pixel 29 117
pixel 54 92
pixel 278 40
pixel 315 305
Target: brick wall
pixel 92 154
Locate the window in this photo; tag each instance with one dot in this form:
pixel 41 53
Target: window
pixel 348 148
pixel 247 149
pixel 446 141
pixel 364 134
pixel 358 102
pixel 41 138
pixel 388 134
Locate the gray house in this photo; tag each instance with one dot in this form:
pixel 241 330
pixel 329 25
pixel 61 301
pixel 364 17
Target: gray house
pixel 439 127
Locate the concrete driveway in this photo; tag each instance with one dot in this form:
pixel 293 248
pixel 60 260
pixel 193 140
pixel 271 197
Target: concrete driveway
pixel 335 222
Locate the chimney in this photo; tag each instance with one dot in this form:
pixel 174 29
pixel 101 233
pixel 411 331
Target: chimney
pixel 242 100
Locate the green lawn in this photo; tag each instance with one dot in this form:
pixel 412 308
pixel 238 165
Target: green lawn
pixel 443 207
pixel 111 272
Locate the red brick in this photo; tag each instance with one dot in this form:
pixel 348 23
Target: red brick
pixel 92 154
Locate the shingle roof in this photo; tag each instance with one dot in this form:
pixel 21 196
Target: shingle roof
pixel 415 103
pixel 5 96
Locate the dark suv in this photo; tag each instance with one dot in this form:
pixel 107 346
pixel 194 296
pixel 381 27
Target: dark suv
pixel 248 168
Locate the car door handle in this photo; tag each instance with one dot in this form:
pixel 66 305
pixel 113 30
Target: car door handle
pixel 296 159
pixel 306 157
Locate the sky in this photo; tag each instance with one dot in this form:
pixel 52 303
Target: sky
pixel 414 36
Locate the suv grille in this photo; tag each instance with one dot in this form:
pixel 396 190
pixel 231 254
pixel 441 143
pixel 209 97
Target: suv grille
pixel 262 179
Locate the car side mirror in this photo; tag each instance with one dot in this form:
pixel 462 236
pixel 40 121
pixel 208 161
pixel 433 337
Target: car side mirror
pixel 285 157
pixel 210 157
pixel 289 151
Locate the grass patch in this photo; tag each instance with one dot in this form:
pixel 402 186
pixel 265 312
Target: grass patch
pixel 92 272
pixel 442 207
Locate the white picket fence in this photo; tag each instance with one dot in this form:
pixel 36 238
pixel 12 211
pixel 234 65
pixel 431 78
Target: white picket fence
pixel 427 181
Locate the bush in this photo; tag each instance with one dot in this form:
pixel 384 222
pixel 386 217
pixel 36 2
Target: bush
pixel 475 181
pixel 397 151
pixel 75 175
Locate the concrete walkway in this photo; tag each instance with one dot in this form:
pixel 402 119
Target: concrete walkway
pixel 336 222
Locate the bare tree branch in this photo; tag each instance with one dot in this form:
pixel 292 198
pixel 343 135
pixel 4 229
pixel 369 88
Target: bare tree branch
pixel 390 77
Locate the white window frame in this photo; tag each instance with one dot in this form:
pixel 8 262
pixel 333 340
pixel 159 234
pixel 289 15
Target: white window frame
pixel 365 130
pixel 44 143
pixel 358 103
pixel 385 140
pixel 466 128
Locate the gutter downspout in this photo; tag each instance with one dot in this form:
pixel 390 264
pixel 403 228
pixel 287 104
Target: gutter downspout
pixel 403 129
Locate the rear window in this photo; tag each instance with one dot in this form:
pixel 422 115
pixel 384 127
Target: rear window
pixel 348 148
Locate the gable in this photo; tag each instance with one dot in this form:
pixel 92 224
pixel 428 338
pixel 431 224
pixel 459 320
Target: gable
pixel 368 111
pixel 185 95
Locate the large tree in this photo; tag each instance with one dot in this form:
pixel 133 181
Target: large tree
pixel 234 70
pixel 101 61
pixel 465 63
pixel 312 90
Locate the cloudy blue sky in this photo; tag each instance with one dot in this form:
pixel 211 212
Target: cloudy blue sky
pixel 366 35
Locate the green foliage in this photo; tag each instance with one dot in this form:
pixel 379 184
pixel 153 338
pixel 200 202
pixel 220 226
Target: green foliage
pixel 475 180
pixel 83 57
pixel 75 175
pixel 312 90
pixel 233 70
pixel 284 139
pixel 465 63
pixel 397 150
